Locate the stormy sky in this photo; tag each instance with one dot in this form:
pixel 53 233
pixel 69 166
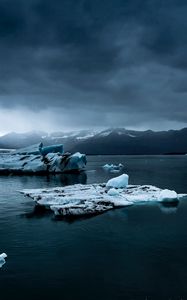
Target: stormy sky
pixel 73 64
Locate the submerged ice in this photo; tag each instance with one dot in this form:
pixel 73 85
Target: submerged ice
pixel 78 199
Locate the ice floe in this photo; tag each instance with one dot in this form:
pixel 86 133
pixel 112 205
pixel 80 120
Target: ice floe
pixel 2 259
pixel 78 199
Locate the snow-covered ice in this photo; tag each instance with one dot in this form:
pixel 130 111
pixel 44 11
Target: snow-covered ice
pixel 78 199
pixel 2 259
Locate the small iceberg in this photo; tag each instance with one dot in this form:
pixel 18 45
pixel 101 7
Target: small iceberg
pixel 2 259
pixel 37 159
pixel 90 199
pixel 113 168
pixel 118 182
pixel 168 196
pixel 113 192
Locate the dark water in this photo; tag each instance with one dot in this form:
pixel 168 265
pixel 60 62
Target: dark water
pixel 138 252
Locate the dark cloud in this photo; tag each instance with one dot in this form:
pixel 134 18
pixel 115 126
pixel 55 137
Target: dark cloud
pixel 94 63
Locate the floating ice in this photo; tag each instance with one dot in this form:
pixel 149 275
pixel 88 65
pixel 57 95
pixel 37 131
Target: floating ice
pixel 2 259
pixel 51 149
pixel 33 149
pixel 78 199
pixel 113 168
pixel 118 182
pixel 168 196
pixel 47 161
pixel 113 192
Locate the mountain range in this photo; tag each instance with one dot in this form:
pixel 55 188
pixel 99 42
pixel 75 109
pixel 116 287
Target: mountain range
pixel 109 141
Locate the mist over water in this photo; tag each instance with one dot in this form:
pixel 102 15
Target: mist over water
pixel 127 253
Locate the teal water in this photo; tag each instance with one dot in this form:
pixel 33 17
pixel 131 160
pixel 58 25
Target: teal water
pixel 139 252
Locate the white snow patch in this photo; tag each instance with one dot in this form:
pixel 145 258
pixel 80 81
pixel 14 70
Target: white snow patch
pixel 85 137
pixel 106 133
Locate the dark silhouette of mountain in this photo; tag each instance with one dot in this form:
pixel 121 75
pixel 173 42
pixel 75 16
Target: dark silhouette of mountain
pixel 121 141
pixel 110 141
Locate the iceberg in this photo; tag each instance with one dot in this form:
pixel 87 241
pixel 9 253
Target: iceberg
pixel 92 199
pixel 39 149
pixel 50 149
pixel 33 149
pixel 118 182
pixel 168 196
pixel 113 168
pixel 2 259
pixel 37 159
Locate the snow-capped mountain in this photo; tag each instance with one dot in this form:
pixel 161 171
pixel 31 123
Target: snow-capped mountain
pixel 123 141
pixel 15 140
pixel 109 141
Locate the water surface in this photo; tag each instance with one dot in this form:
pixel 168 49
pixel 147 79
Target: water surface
pixel 139 252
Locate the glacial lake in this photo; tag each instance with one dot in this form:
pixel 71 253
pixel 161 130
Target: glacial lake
pixel 138 252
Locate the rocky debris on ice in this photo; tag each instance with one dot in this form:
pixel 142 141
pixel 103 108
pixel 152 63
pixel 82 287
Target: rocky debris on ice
pixel 43 160
pixel 2 259
pixel 78 199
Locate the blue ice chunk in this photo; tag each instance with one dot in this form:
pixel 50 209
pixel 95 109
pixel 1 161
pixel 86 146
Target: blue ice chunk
pixel 51 149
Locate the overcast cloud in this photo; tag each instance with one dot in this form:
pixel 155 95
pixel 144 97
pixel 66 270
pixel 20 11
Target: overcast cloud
pixel 70 64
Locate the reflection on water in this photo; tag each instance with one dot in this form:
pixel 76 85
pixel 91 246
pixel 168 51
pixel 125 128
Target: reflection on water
pixel 169 207
pixel 38 212
pixel 49 180
pixel 67 179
